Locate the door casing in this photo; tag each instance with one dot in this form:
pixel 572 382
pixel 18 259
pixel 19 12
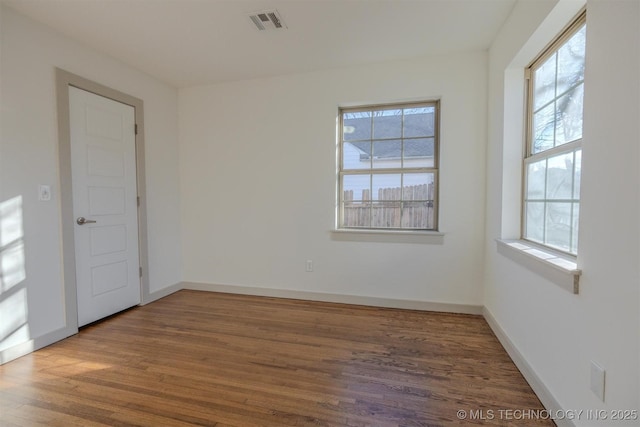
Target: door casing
pixel 64 79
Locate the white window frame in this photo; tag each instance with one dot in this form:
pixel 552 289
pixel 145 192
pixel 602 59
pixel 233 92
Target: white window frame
pixel 342 172
pixel 574 147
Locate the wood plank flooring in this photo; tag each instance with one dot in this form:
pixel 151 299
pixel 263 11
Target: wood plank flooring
pixel 210 359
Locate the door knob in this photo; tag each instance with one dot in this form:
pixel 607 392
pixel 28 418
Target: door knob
pixel 82 221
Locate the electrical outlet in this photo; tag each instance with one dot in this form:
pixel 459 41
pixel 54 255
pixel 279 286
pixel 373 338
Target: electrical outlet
pixel 309 266
pixel 44 193
pixel 597 380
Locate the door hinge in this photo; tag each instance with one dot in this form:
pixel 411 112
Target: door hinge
pixel 140 271
pixel 138 200
pixel 136 128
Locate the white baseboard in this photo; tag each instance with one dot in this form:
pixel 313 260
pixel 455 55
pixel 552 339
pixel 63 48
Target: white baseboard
pixel 24 348
pixel 337 298
pixel 541 390
pixel 156 295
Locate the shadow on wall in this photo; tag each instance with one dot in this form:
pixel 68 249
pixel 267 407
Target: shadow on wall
pixel 14 325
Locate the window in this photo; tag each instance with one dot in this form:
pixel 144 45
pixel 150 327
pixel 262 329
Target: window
pixel 552 164
pixel 388 177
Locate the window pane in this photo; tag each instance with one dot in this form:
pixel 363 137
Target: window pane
pixel 418 186
pixel 536 175
pixel 544 83
pixel 357 214
pixel 356 126
pixel 377 149
pixel 385 215
pixel 387 124
pixel 356 155
pixel 576 226
pixel 356 187
pixel 571 62
pixel 418 215
pixel 534 221
pixel 419 122
pixel 419 152
pixel 577 175
pixel 569 116
pixel 386 187
pixel 387 154
pixel 560 176
pixel 555 114
pixel 558 225
pixel 543 127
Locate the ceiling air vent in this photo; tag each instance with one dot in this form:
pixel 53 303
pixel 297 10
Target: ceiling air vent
pixel 268 20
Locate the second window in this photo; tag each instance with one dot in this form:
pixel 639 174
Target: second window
pixel 552 165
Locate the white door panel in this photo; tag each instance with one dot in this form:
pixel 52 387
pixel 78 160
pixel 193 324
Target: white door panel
pixel 103 169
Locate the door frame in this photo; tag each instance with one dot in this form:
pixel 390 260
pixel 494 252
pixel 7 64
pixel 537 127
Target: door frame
pixel 64 79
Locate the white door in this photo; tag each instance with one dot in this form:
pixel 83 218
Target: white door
pixel 103 171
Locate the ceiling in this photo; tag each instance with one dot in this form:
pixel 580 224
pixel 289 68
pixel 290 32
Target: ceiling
pixel 194 42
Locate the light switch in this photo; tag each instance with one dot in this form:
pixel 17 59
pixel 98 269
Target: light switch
pixel 44 193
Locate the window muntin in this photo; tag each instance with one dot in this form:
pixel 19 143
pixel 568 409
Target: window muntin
pixel 388 167
pixel 552 165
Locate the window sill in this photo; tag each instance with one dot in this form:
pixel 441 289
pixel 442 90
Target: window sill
pixel 390 236
pixel 559 269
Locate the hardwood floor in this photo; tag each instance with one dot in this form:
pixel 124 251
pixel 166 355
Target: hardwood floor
pixel 210 359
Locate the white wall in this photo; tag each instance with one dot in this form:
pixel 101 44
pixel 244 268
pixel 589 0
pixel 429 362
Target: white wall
pixel 249 150
pixel 258 171
pixel 559 333
pixel 28 157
